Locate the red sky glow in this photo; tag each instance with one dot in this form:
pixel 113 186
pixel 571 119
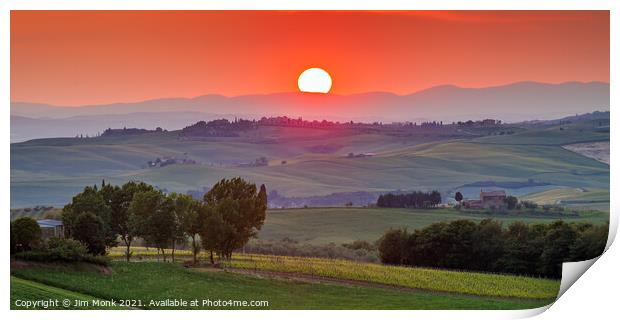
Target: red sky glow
pixel 94 57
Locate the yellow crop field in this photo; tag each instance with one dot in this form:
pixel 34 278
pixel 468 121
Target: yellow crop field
pixel 481 284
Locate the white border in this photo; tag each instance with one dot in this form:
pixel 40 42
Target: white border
pixel 594 294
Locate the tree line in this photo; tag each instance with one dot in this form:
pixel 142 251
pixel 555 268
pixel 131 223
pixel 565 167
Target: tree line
pixel 224 220
pixel 522 249
pixel 415 199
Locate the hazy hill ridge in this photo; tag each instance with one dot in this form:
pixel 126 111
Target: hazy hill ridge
pixel 512 102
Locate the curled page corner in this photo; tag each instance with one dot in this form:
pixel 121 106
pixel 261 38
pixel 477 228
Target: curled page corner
pixel 571 271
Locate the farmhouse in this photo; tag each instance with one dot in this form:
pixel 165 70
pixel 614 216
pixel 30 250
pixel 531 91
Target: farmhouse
pixel 488 199
pixel 51 228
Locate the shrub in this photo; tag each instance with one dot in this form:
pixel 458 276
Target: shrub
pixel 66 249
pixel 358 250
pixel 359 245
pixel 63 250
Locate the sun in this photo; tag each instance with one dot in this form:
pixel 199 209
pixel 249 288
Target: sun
pixel 314 80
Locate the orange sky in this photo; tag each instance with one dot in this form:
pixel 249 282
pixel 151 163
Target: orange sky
pixel 93 57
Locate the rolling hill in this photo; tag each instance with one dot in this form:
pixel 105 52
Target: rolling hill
pixel 308 162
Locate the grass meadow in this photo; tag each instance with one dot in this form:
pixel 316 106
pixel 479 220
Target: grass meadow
pixel 26 290
pixel 448 281
pixel 157 281
pixel 343 225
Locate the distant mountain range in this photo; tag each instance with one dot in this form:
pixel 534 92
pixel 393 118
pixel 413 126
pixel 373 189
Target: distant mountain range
pixel 511 103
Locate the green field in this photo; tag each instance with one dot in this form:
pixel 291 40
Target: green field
pixel 25 290
pixel 597 199
pixel 158 281
pixel 343 225
pixel 474 283
pixel 50 171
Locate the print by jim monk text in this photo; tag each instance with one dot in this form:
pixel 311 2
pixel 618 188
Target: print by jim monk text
pixel 137 303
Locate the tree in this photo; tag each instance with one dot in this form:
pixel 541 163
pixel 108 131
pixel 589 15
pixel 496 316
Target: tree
pixel 529 204
pixel 161 227
pixel 488 246
pixel 559 239
pixel 90 230
pixel 432 245
pixel 381 201
pixel 193 224
pixel 460 254
pixel 241 210
pixel 142 205
pixel 93 201
pixel 523 247
pixel 416 199
pixel 435 198
pixel 590 243
pixel 152 218
pixel 214 234
pixel 25 234
pixel 187 223
pixel 458 196
pixel 392 246
pixel 534 250
pixel 511 202
pixel 119 203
